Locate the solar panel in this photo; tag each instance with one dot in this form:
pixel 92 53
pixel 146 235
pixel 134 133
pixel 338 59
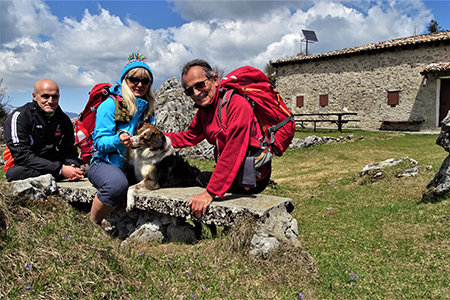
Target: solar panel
pixel 310 35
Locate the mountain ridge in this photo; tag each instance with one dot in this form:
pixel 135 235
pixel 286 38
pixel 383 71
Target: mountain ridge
pixel 9 108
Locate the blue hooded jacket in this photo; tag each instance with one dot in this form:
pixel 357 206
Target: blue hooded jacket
pixel 106 136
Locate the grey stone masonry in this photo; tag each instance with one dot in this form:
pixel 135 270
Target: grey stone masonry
pixel 161 213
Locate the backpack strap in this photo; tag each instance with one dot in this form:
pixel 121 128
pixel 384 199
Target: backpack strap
pixel 120 112
pixel 272 130
pixel 290 117
pixel 263 154
pixel 224 101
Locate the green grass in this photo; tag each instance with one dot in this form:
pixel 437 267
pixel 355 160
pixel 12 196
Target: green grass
pixel 370 238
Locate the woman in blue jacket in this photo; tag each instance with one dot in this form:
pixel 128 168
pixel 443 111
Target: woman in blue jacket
pixel 116 119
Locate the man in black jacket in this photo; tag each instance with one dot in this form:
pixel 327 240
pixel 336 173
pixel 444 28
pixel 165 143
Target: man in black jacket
pixel 40 137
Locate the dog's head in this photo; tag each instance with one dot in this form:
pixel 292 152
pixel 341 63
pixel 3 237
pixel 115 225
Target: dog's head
pixel 149 137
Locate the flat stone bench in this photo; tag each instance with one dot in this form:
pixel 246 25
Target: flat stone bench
pixel 161 214
pixel 173 202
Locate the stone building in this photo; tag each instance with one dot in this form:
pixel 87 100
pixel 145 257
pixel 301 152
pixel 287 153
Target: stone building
pixel 401 84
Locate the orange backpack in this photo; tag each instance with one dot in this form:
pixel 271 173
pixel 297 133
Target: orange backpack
pixel 9 160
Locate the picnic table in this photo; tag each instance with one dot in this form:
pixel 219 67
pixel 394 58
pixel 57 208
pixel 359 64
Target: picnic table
pixel 332 117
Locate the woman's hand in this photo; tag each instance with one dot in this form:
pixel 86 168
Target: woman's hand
pixel 125 139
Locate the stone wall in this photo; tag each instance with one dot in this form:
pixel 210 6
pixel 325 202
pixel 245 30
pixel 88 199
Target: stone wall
pixel 360 82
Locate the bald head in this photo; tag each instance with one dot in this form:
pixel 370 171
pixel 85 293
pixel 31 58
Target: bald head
pixel 46 94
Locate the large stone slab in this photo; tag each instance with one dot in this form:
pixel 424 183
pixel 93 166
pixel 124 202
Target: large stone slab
pixel 162 212
pixel 81 191
pixel 174 202
pixel 224 212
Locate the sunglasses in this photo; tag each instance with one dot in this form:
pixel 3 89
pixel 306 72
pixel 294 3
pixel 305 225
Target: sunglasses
pixel 198 86
pixel 136 80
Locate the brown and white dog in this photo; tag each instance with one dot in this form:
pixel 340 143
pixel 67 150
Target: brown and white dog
pixel 155 163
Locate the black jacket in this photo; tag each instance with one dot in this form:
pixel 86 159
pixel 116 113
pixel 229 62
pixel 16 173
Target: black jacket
pixel 41 142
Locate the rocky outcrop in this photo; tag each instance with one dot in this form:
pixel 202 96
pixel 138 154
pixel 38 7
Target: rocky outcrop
pixel 375 171
pixel 37 188
pixel 174 110
pixel 315 140
pixel 439 186
pixel 174 113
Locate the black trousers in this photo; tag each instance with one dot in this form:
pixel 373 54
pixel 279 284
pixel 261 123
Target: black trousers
pixel 21 172
pixel 204 177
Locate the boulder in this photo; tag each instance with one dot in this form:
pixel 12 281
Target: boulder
pixel 439 186
pixel 174 112
pixel 36 188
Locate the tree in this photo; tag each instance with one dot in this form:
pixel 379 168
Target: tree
pixel 219 71
pixel 3 101
pixel 270 71
pixel 433 27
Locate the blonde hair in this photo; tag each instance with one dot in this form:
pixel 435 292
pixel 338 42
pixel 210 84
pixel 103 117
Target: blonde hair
pixel 130 100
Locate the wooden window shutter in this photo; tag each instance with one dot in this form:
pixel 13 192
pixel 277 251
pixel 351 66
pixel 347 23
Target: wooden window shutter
pixel 393 98
pixel 300 100
pixel 323 100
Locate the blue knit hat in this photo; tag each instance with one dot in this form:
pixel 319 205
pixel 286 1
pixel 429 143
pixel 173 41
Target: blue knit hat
pixel 135 60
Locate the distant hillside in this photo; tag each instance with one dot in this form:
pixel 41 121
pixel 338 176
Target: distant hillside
pixel 71 114
pixel 9 108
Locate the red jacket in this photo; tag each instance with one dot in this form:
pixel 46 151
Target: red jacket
pixel 231 139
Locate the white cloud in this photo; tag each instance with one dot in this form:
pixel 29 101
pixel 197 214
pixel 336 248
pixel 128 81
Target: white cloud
pixel 25 18
pixel 195 10
pixel 229 34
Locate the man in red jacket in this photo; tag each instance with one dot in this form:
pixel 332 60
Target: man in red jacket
pixel 230 136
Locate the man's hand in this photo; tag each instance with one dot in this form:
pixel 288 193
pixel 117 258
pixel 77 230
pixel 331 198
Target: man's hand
pixel 200 202
pixel 72 173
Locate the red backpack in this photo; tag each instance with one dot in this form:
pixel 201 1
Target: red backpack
pixel 276 121
pixel 85 125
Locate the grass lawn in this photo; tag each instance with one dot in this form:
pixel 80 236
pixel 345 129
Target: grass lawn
pixel 371 238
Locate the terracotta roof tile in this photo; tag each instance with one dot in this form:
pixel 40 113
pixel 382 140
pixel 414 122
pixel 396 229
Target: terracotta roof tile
pixel 436 67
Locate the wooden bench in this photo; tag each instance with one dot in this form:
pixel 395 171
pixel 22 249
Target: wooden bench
pixel 301 121
pixel 302 118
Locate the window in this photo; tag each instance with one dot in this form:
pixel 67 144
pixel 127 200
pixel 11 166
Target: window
pixel 393 98
pixel 300 100
pixel 323 100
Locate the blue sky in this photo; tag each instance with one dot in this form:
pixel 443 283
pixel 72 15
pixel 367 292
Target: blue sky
pixel 80 43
